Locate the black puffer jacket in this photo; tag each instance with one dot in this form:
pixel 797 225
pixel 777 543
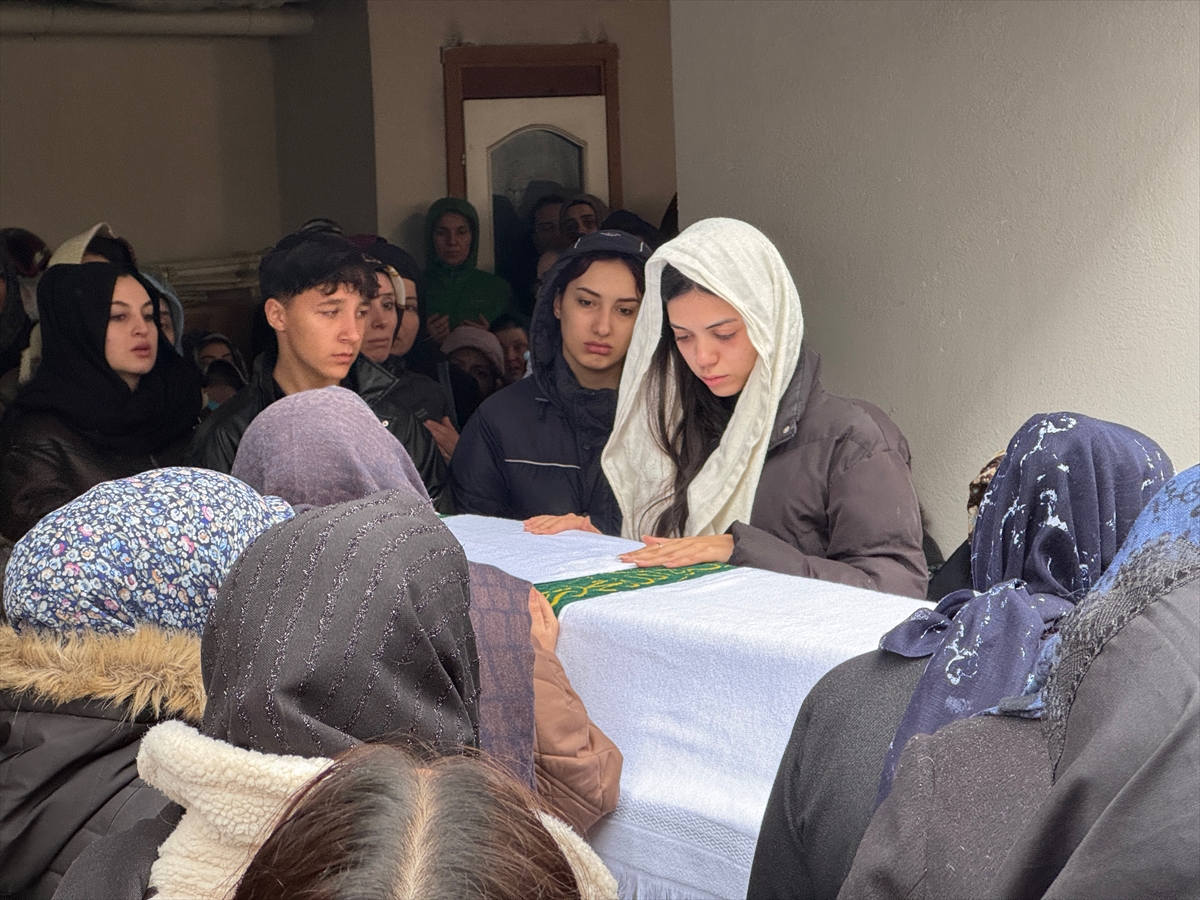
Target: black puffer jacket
pixel 534 447
pixel 216 441
pixel 72 714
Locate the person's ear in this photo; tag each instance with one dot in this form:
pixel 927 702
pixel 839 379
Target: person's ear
pixel 276 314
pixel 558 305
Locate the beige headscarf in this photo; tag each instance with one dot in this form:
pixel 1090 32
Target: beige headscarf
pixel 70 251
pixel 738 263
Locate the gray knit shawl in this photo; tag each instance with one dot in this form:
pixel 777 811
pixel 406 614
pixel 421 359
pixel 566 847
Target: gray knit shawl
pixel 345 624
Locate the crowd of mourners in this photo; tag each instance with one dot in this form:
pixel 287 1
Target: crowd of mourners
pixel 243 656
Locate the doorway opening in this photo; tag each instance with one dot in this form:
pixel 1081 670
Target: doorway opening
pixel 526 126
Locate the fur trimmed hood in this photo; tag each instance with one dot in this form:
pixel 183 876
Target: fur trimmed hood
pixel 150 672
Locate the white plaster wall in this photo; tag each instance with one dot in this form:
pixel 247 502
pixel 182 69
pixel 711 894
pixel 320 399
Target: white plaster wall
pixel 990 209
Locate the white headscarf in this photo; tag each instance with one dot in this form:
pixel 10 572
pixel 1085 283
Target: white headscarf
pixel 739 264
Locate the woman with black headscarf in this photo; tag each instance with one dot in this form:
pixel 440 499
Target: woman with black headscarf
pixel 110 399
pixel 427 398
pixel 444 395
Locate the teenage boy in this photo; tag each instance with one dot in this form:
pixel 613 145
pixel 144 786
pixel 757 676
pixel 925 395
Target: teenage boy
pixel 318 289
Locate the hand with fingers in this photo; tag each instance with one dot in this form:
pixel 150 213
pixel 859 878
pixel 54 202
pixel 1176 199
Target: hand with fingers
pixel 444 436
pixel 555 524
pixel 438 325
pixel 676 552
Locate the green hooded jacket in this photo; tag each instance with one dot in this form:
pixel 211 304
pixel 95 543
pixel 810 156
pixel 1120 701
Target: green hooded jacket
pixel 462 292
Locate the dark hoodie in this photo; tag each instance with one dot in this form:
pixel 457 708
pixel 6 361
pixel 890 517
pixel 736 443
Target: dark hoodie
pixel 534 447
pixel 462 292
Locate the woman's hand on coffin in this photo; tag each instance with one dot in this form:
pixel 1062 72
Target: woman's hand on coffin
pixel 676 552
pixel 543 625
pixel 555 524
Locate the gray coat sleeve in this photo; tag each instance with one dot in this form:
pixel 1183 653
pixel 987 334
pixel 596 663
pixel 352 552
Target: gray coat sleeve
pixel 891 859
pixel 959 800
pixel 874 525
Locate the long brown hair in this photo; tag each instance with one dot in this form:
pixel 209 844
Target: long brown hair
pixel 383 823
pixel 691 440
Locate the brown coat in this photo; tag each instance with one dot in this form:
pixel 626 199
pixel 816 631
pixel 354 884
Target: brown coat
pixel 578 768
pixel 835 500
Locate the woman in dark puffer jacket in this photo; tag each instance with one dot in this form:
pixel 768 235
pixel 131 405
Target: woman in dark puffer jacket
pixel 533 449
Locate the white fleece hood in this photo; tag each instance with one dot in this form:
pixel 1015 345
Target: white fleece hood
pixel 234 797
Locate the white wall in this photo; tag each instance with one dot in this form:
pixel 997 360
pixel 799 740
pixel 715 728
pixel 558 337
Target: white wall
pixel 171 139
pixel 325 119
pixel 990 209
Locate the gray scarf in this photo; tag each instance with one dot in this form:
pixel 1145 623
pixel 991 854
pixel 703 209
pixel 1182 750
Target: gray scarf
pixel 345 624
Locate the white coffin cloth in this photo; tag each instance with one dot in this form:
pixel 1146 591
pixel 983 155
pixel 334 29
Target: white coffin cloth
pixel 539 558
pixel 698 683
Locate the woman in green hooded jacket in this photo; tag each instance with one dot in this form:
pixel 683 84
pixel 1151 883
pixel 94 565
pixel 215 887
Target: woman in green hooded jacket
pixel 453 290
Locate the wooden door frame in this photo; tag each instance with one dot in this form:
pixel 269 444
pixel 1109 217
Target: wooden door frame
pixel 530 70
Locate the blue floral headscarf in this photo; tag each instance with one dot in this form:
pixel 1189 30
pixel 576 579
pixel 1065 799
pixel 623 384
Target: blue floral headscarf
pixel 153 548
pixel 1056 513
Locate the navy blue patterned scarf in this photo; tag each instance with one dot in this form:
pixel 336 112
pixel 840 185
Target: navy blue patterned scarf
pixel 1058 509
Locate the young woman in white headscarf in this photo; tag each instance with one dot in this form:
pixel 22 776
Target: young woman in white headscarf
pixel 727 448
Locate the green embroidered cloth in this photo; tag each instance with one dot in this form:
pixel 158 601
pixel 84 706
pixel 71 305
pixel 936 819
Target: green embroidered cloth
pixel 563 593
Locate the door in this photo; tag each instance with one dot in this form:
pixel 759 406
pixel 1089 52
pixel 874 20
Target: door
pixel 521 149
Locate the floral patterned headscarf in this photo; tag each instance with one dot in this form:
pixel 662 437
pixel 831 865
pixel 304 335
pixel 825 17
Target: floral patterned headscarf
pixel 153 548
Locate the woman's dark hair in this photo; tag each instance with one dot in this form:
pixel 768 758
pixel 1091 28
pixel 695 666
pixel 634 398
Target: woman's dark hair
pixel 23 252
pixel 632 223
pixel 690 441
pixel 117 251
pixel 382 823
pixel 578 265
